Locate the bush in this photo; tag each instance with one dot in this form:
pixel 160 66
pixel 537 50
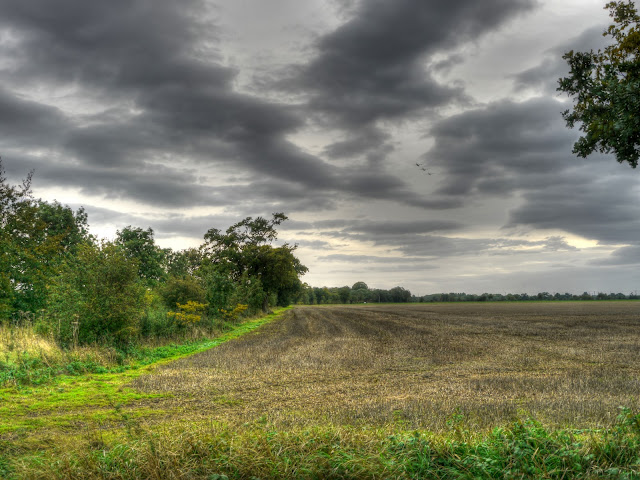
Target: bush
pixel 220 292
pixel 188 314
pixel 181 290
pixel 97 299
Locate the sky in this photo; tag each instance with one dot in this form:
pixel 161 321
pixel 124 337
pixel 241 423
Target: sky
pixel 417 143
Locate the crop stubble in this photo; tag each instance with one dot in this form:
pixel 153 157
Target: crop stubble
pixel 564 363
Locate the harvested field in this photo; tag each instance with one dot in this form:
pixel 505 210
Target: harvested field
pixel 420 366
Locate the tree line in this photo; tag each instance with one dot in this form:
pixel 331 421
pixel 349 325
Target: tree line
pixel 522 297
pixel 358 293
pixel 361 293
pixel 81 289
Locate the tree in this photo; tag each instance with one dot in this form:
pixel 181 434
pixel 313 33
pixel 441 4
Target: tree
pixel 36 239
pixel 605 88
pixel 182 290
pixel 360 286
pixel 140 245
pixel 399 295
pixel 183 262
pixel 244 254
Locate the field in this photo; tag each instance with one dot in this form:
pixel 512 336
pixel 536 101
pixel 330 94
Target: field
pixel 356 392
pixel 564 364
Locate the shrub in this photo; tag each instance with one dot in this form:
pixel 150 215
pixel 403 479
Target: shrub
pixel 233 315
pixel 181 290
pixel 97 299
pixel 188 314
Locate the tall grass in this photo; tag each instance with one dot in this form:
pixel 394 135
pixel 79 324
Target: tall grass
pixel 28 357
pixel 524 450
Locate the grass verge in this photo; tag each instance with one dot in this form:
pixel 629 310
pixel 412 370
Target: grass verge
pixel 524 450
pixel 60 412
pixel 32 360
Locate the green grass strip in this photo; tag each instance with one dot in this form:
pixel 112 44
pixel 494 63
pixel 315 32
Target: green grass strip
pixel 67 399
pixel 524 450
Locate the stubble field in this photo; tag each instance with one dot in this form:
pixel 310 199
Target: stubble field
pixel 496 390
pixel 421 366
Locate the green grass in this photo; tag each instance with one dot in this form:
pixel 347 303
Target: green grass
pixel 28 369
pixel 523 450
pixel 39 415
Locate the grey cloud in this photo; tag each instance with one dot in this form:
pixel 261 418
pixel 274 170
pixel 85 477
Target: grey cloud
pixel 402 227
pixel 148 58
pixel 602 208
pixel 166 225
pixel 557 244
pixel 25 122
pixel 368 259
pixel 418 239
pixel 629 255
pixel 370 67
pixel 366 140
pixel 124 43
pixel 169 97
pixel 313 244
pixel 544 77
pixel 148 183
pixel 500 148
pixel 509 148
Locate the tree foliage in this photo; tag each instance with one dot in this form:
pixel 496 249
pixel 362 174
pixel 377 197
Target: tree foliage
pixel 113 292
pixel 605 88
pixel 36 239
pixel 101 291
pixel 244 254
pixel 140 245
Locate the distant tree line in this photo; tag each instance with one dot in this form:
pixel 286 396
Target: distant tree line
pixel 81 289
pixel 361 293
pixel 516 297
pixel 358 293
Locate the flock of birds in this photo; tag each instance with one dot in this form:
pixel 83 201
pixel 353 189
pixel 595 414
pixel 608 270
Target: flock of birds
pixel 423 168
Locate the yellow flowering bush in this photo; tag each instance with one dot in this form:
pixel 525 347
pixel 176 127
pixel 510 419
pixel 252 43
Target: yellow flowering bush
pixel 233 315
pixel 189 313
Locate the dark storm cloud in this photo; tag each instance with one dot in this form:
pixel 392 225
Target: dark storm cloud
pixel 121 43
pixel 373 67
pixel 168 96
pixel 600 208
pixel 25 122
pixel 500 148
